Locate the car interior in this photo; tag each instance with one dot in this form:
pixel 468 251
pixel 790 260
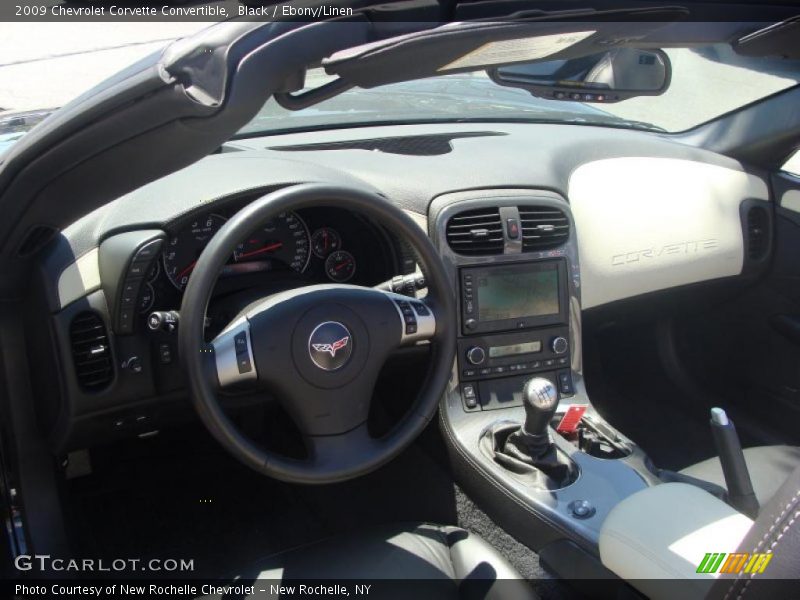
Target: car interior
pixel 258 316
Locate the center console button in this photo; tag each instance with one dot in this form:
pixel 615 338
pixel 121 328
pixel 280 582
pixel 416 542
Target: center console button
pixel 512 228
pixel 559 345
pixel 582 509
pixel 476 355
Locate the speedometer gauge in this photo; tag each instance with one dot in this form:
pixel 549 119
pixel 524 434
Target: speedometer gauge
pixel 284 239
pixel 183 250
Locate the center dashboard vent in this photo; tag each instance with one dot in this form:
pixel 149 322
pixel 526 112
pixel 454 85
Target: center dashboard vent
pixel 543 227
pixel 91 352
pixel 477 232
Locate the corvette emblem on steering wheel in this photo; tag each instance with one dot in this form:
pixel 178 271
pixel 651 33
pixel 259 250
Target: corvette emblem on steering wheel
pixel 332 348
pixel 329 345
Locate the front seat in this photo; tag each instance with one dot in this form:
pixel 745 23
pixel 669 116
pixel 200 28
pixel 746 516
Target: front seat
pixel 769 467
pixel 461 564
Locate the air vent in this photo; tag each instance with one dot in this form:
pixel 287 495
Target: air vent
pixel 476 232
pixel 36 239
pixel 543 227
pixel 91 352
pixel 757 233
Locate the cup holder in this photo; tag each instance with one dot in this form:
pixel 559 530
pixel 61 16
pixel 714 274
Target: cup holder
pixel 596 438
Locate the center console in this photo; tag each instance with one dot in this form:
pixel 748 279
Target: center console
pixel 513 258
pixel 514 323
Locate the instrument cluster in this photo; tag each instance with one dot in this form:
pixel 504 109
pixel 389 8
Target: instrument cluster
pixel 321 245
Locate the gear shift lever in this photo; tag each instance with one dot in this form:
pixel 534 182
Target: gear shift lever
pixel 540 400
pixel 528 450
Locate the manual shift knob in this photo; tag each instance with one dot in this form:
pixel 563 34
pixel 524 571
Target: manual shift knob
pixel 540 398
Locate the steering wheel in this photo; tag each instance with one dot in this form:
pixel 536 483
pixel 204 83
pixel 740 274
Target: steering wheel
pixel 318 349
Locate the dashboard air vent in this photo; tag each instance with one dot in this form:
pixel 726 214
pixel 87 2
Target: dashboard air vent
pixel 91 352
pixel 476 232
pixel 757 233
pixel 543 227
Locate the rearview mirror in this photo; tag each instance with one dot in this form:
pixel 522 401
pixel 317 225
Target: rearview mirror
pixel 610 76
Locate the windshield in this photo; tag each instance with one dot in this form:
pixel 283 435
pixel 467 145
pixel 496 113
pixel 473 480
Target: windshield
pixel 706 82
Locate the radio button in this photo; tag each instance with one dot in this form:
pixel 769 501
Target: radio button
pixel 559 345
pixel 476 355
pixel 549 362
pixel 499 370
pixel 468 373
pixel 470 324
pixel 485 371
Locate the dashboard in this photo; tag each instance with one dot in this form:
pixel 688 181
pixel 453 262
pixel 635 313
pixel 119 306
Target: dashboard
pixel 639 214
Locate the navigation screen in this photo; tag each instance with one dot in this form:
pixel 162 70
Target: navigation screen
pixel 513 293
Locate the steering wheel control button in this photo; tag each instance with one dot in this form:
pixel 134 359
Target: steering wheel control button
pixel 242 352
pixel 476 355
pixel 581 509
pixel 232 356
pixel 421 309
pixel 559 345
pixel 330 345
pixel 240 343
pixel 244 364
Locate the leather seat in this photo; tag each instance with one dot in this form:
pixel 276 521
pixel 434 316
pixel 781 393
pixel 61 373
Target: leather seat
pixel 464 564
pixel 769 467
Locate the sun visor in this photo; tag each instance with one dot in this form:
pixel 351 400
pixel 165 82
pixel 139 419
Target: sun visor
pixel 781 39
pixel 475 46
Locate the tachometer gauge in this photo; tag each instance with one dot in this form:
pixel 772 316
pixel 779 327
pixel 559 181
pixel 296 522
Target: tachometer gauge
pixel 324 241
pixel 285 239
pixel 340 266
pixel 183 250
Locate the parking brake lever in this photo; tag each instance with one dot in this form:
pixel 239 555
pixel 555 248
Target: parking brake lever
pixel 734 468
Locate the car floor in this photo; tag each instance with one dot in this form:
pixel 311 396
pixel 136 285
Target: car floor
pixel 629 385
pixel 179 495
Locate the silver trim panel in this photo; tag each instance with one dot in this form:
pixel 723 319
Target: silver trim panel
pixel 426 324
pixel 225 354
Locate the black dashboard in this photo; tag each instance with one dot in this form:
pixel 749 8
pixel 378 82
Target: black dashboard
pixel 84 272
